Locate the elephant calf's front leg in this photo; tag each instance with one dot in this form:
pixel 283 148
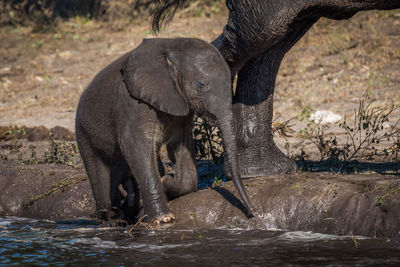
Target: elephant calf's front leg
pixel 144 168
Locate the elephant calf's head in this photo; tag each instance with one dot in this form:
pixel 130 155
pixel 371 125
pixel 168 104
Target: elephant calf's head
pixel 178 75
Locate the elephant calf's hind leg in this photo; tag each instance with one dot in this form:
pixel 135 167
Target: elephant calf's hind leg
pixel 99 176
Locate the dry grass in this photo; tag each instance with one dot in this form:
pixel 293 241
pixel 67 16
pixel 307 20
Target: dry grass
pixel 338 62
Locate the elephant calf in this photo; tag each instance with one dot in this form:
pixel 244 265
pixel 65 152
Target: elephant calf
pixel 142 100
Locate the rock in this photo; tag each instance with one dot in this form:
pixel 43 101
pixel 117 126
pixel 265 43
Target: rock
pixel 46 192
pixel 366 205
pixel 4 133
pixel 62 133
pixel 325 117
pixel 38 133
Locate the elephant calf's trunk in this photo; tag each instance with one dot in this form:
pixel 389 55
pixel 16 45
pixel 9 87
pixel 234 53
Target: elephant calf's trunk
pixel 231 158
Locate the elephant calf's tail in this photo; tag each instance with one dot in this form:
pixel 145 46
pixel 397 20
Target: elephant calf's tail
pixel 163 12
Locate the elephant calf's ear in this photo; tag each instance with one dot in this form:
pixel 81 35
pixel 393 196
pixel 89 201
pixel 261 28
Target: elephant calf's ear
pixel 147 77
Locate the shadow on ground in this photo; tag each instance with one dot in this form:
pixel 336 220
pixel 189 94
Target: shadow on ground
pixel 383 168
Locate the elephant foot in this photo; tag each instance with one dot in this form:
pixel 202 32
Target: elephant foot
pixel 115 223
pixel 106 215
pixel 271 161
pixel 129 212
pixel 110 218
pixel 165 218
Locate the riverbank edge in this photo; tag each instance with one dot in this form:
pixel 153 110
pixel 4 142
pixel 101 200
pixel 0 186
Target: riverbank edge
pixel 358 204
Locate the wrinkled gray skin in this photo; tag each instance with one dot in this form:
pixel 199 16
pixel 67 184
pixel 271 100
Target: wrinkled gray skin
pixel 254 42
pixel 142 100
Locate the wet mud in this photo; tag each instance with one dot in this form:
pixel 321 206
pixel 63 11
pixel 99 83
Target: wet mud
pixel 367 205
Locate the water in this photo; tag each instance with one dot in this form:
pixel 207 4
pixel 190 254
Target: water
pixel 84 243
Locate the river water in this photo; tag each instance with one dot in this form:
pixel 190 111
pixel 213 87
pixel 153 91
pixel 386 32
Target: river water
pixel 84 243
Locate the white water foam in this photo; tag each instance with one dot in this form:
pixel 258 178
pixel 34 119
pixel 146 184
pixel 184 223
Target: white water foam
pixel 88 229
pixel 106 244
pixel 301 236
pixel 5 221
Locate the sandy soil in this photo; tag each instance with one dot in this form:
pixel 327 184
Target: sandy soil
pixel 336 64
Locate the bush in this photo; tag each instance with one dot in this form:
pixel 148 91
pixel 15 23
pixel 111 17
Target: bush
pixel 44 12
pixel 39 12
pixel 367 137
pixel 208 141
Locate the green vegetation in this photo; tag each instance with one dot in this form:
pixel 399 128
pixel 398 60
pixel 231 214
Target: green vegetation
pixel 386 191
pixel 216 182
pixel 33 157
pixel 380 202
pixel 298 187
pixel 16 134
pixel 61 152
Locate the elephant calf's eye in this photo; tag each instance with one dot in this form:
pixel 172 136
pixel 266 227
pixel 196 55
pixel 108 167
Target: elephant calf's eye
pixel 202 87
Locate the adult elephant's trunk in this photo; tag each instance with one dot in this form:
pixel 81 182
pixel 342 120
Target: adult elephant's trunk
pixel 229 138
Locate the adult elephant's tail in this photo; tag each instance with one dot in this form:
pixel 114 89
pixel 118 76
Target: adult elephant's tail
pixel 163 11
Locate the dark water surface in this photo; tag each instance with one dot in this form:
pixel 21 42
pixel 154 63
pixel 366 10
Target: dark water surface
pixel 83 243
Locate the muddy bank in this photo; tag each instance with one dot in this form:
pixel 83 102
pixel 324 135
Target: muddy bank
pixel 45 191
pixel 338 204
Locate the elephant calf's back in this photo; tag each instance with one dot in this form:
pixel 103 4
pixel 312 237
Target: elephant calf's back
pixel 96 109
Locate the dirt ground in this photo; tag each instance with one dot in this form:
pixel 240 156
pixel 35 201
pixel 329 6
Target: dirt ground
pixel 334 65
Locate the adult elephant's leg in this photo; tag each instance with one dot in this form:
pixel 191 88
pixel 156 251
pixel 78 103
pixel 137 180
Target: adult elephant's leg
pixel 253 104
pixel 258 154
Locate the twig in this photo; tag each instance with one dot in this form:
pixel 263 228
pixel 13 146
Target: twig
pixel 57 187
pixel 146 225
pixel 136 224
pixel 356 243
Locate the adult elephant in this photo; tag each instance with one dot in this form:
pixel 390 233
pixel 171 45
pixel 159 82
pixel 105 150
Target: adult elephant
pixel 257 36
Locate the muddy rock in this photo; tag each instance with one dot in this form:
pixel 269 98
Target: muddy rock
pixel 337 204
pixel 366 205
pixel 36 133
pixel 62 133
pixel 45 191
